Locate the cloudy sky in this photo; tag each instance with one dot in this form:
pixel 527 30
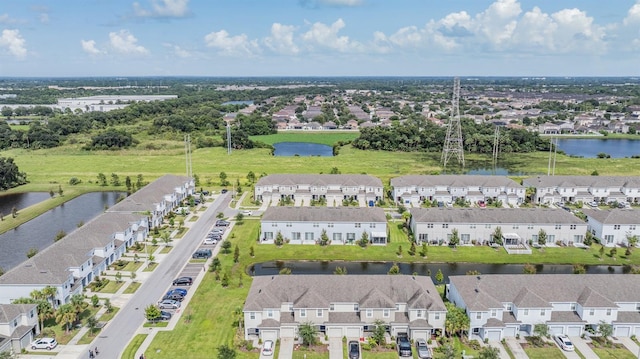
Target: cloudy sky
pixel 319 37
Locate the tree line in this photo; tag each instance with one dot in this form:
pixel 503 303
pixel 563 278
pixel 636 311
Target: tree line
pixel 10 175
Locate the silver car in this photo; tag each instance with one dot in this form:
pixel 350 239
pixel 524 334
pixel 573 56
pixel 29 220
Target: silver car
pixel 169 304
pixel 422 349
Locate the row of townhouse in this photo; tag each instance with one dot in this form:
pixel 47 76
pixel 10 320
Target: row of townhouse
pixel 477 225
pixel 18 326
pixel 342 306
pixel 415 189
pixel 70 264
pixel 606 189
pixel 614 226
pixel 503 306
pixel 303 188
pixel 306 225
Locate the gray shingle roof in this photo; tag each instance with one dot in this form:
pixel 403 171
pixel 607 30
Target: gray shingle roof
pixel 9 312
pixel 271 292
pixel 614 216
pixel 582 181
pixel 566 317
pixel 529 299
pixel 324 214
pixel 320 179
pixel 504 288
pixel 152 194
pixel 454 181
pixel 590 298
pixel 493 215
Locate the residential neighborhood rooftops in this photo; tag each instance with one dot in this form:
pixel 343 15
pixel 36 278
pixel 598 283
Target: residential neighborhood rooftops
pixel 318 291
pixel 614 216
pixel 320 179
pixel 9 312
pixel 584 181
pixel 493 215
pixel 154 193
pixel 454 181
pixel 324 214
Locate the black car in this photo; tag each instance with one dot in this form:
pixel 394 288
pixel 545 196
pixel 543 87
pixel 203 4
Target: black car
pixel 404 345
pixel 224 190
pixel 174 296
pixel 201 254
pixel 183 281
pixel 354 350
pixel 164 315
pixel 222 223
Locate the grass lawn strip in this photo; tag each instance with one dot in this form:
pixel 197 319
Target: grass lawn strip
pixel 608 353
pixel 111 287
pixel 131 349
pixel 108 316
pixel 132 288
pixel 544 353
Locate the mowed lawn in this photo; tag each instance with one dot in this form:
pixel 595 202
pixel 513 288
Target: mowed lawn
pixel 323 137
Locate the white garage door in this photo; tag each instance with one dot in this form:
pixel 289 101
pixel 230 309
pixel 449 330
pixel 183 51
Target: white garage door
pixel 622 332
pixel 269 335
pixel 637 332
pixel 574 331
pixel 287 332
pixel 556 329
pixel 353 332
pixel 509 332
pixel 334 332
pixel 493 335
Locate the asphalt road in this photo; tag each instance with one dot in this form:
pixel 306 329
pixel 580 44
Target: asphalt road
pixel 115 337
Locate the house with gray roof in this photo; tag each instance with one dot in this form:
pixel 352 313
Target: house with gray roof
pixel 342 305
pixel 332 188
pixel 613 227
pixel 435 225
pixel 306 225
pixel 601 189
pixel 413 190
pixel 503 306
pixel 18 326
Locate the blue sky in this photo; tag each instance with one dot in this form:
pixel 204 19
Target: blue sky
pixel 319 37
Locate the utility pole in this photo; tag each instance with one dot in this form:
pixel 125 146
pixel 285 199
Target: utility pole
pixel 187 151
pixel 496 145
pixel 453 144
pixel 228 139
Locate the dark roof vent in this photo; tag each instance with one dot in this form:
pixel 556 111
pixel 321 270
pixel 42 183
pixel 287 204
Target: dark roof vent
pixel 259 290
pixel 476 290
pixel 479 277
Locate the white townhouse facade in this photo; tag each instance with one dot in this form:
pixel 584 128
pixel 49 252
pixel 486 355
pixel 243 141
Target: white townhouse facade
pixel 502 306
pixel 18 326
pixel 70 264
pixel 435 225
pixel 342 305
pixel 613 226
pixel 414 189
pixel 605 189
pixel 334 188
pixel 305 225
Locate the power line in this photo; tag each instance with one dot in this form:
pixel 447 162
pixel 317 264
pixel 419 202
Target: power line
pixel 453 144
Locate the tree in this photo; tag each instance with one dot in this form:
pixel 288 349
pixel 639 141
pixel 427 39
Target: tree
pixel 601 251
pixel 60 191
pixel 423 250
pixel 324 238
pixel 529 269
pixel 308 333
pixel 251 252
pixel 364 240
pixel 118 277
pixel 127 183
pixel 251 177
pixel 456 321
pixel 152 313
pixel 95 301
pixel 32 252
pixel 10 175
pixel 279 239
pixel 542 237
pixel 579 269
pixel 399 251
pixel 379 332
pixel 605 330
pixel 115 180
pixel 102 179
pixel 632 241
pixel 448 351
pixel 225 280
pixel 166 237
pixel 61 234
pixel 395 269
pixel 439 276
pixel 239 218
pixel 223 179
pixel 412 249
pixel 226 247
pixel 66 316
pixel 236 254
pixel 92 323
pixel 489 352
pixel 49 294
pixel 541 330
pixel 496 237
pixel 77 303
pixel 226 352
pixel 455 238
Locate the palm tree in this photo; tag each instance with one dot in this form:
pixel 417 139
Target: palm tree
pixel 45 311
pixel 49 293
pixel 77 303
pixel 92 323
pixel 66 316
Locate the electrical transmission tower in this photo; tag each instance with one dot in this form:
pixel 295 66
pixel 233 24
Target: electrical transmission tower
pixel 496 144
pixel 187 152
pixel 453 144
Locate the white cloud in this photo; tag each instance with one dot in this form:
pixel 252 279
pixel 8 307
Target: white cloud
pixel 281 39
pixel 178 51
pixel 498 21
pixel 89 47
pixel 43 13
pixel 231 45
pixel 125 43
pixel 327 36
pixel 13 41
pixel 633 15
pixel 163 9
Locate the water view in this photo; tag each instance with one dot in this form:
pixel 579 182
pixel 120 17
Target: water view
pixel 302 149
pixel 249 103
pixel 41 231
pixel 590 147
pixel 20 201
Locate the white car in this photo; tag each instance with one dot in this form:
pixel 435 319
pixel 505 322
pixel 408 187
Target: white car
pixel 564 342
pixel 210 241
pixel 247 213
pixel 44 343
pixel 267 348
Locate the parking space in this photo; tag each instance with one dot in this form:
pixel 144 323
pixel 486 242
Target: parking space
pixel 335 348
pixel 583 347
pixel 286 348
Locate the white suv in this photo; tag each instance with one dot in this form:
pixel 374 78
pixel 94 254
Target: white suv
pixel 44 343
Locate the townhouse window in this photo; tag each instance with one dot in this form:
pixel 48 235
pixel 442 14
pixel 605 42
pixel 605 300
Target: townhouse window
pixel 330 225
pixel 337 237
pixel 356 307
pixel 473 226
pixel 308 236
pixel 386 313
pixel 372 225
pixel 252 315
pixel 608 311
pixel 616 226
pixel 316 225
pixel 319 313
pixel 295 236
pixel 291 307
pixel 578 238
pixel 558 226
pixel 525 312
pixel 494 312
pixel 332 307
pixel 358 225
pixel 436 316
pixel 419 313
pixel 398 307
pixel 351 237
pixel 274 225
pixel 542 312
pixel 608 238
pixel 515 226
pixel 509 307
pixel 268 235
pixel 534 238
pixel 632 227
pixel 530 226
pixel 270 313
pixel 592 312
pixel 445 225
pixel 573 226
pixel 15 322
pixel 638 307
pixel 429 225
pixel 369 313
pixel 303 313
pixel 487 226
pixel 288 224
pixel 423 237
pixel 31 314
pixel 479 315
pixel 573 307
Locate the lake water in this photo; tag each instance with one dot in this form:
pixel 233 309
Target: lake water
pixel 41 231
pixel 249 103
pixel 302 149
pixel 590 147
pixel 325 267
pixel 20 201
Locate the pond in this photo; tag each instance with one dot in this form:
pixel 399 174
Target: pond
pixel 326 267
pixel 590 147
pixel 41 231
pixel 302 149
pixel 249 103
pixel 20 200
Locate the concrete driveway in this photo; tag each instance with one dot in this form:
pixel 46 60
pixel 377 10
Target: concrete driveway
pixel 582 346
pixel 286 348
pixel 335 348
pixel 503 352
pixel 516 348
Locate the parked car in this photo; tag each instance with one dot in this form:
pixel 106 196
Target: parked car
pixel 169 304
pixel 44 343
pixel 564 342
pixel 164 315
pixel 354 349
pixel 224 190
pixel 174 296
pixel 183 281
pixel 201 254
pixel 423 350
pixel 482 204
pixel 404 345
pixel 267 347
pixel 205 193
pixel 222 223
pixel 210 240
pixel 180 291
pixel 593 204
pixel 247 213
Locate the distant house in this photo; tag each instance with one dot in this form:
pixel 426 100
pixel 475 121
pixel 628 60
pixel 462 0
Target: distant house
pixel 549 128
pixel 551 189
pixel 342 306
pixel 613 227
pixel 305 225
pixel 503 306
pixel 330 125
pixel 18 326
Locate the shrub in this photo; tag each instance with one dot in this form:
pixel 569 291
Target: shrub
pixel 474 344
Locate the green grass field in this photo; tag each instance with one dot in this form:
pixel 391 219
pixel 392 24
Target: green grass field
pixel 323 137
pixel 544 353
